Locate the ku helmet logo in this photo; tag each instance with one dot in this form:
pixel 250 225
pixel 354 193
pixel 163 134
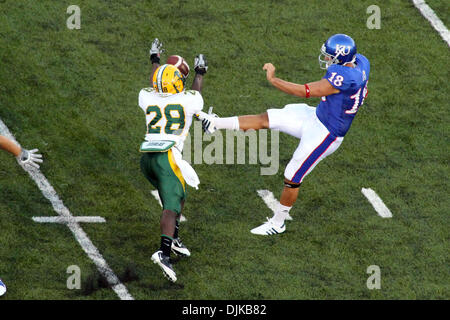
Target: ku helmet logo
pixel 343 50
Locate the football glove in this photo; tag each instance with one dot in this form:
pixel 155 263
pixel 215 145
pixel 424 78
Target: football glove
pixel 156 50
pixel 30 157
pixel 200 64
pixel 207 120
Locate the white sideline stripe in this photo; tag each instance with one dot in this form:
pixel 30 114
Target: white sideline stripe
pixel 65 220
pixel 156 195
pixel 82 238
pixel 270 201
pixel 437 24
pixel 377 203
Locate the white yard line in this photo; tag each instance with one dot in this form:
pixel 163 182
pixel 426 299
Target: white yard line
pixel 377 203
pixel 270 201
pixel 437 24
pixel 60 219
pixel 86 244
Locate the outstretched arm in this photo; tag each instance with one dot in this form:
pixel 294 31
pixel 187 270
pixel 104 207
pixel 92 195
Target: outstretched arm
pixel 316 89
pixel 197 84
pixel 261 121
pixel 23 155
pixel 9 146
pixel 200 67
pixel 155 54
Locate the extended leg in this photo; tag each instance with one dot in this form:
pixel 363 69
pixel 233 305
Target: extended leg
pixel 256 122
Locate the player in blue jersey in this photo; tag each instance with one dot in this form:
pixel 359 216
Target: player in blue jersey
pixel 321 129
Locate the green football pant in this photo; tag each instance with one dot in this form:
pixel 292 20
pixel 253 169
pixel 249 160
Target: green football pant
pixel 163 173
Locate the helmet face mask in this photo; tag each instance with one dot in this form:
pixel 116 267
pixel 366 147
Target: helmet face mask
pixel 338 49
pixel 168 79
pixel 325 59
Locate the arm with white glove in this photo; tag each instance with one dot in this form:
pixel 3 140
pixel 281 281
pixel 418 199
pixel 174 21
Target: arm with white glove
pixel 200 67
pixel 24 156
pixel 30 157
pixel 155 53
pixel 207 120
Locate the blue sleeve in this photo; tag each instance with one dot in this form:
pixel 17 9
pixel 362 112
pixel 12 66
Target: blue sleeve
pixel 339 77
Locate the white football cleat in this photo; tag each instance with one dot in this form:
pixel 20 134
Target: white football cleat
pixel 268 228
pixel 179 248
pixel 164 262
pixel 183 218
pixel 289 217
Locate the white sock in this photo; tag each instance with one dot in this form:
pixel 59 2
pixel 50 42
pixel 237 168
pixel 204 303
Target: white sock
pixel 280 214
pixel 231 123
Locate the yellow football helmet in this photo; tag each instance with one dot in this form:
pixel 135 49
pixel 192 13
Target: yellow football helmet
pixel 168 79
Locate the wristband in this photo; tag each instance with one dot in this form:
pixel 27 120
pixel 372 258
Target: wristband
pixel 308 92
pixel 154 58
pixel 200 71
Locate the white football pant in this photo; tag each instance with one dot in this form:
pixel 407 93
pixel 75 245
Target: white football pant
pixel 316 142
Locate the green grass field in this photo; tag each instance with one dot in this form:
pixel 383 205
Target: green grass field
pixel 73 94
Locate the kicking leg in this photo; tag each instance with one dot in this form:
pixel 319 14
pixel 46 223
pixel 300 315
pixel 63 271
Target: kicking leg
pixel 256 122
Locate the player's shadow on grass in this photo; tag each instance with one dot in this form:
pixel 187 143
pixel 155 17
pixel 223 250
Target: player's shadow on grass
pixel 164 285
pixel 96 281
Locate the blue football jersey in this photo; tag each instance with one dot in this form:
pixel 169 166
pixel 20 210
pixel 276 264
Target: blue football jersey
pixel 338 110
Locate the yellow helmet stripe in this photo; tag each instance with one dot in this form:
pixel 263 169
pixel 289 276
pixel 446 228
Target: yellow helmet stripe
pixel 159 77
